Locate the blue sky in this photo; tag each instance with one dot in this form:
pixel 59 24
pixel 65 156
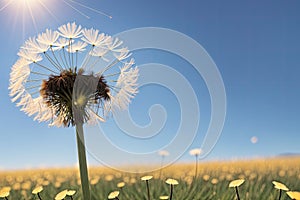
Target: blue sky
pixel 255 45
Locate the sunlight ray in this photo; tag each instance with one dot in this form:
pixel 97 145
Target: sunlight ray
pixel 84 15
pixel 6 5
pixel 49 11
pixel 32 16
pixel 92 9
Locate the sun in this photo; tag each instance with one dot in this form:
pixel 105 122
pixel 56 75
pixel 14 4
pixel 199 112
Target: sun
pixel 25 12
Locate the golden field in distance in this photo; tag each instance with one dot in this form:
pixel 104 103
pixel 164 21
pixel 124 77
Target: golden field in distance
pixel 212 181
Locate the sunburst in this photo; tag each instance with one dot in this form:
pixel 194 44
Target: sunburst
pixel 26 12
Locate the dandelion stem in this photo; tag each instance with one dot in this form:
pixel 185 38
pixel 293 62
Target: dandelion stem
pixel 280 191
pixel 196 170
pixel 6 198
pixel 82 162
pixel 237 193
pixel 148 190
pixel 39 196
pixel 161 166
pixel 171 192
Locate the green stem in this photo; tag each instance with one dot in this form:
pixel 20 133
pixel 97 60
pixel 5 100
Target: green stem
pixel 82 162
pixel 279 194
pixel 39 196
pixel 171 193
pixel 148 190
pixel 161 166
pixel 196 170
pixel 237 193
pixel 6 198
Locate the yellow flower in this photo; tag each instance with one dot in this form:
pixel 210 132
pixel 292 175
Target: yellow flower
pixel 113 195
pixel 7 188
pixel 61 195
pixel 37 190
pixel 236 183
pixel 164 197
pixel 4 193
pixel 280 186
pixel 121 184
pixel 294 195
pixel 94 181
pixel 71 192
pixel 171 181
pixel 109 177
pixel 206 177
pixel 146 178
pixel 214 181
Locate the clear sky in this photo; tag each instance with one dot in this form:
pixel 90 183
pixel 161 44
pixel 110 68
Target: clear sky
pixel 255 45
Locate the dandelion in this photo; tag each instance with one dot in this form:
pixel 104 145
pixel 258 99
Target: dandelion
pixel 121 185
pixel 70 193
pixel 61 195
pixel 114 195
pixel 59 78
pixel 163 154
pixel 147 178
pixel 236 184
pixel 164 197
pixel 37 191
pixel 280 187
pixel 4 192
pixel 206 177
pixel 214 181
pixel 294 195
pixel 94 181
pixel 196 153
pixel 171 182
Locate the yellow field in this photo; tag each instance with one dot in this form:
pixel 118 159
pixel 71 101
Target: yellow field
pixel 211 183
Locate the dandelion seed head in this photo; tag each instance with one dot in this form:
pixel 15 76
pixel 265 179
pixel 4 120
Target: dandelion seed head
pixel 163 153
pixel 63 77
pixel 195 152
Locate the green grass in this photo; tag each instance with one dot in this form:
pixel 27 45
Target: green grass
pixel 258 175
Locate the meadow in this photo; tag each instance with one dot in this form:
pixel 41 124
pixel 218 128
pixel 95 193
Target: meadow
pixel 212 181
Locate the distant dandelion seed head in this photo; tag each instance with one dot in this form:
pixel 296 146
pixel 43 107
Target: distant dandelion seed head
pixel 254 140
pixel 195 152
